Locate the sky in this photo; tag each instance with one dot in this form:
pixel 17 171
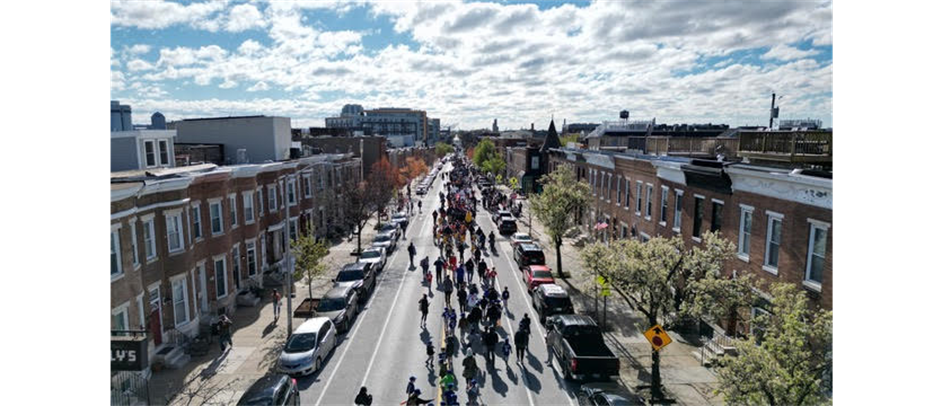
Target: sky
pixel 469 63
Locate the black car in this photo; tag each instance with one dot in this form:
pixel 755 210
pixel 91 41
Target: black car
pixel 550 299
pixel 274 390
pixel 528 254
pixel 607 394
pixel 507 226
pixel 360 275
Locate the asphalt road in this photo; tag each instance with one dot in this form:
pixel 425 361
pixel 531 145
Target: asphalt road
pixel 387 344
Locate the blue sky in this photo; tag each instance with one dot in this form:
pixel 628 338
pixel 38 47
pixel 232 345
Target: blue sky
pixel 471 62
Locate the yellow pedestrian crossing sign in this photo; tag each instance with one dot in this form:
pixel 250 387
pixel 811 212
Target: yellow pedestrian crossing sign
pixel 658 337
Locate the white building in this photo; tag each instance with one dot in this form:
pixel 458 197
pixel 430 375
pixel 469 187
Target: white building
pixel 142 149
pixel 263 138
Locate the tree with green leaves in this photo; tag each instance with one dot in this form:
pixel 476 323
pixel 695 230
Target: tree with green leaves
pixel 442 149
pixel 788 359
pixel 563 196
pixel 483 152
pixel 360 203
pixel 566 139
pixel 308 256
pixel 665 279
pixel 494 165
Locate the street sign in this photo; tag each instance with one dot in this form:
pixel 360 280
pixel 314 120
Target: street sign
pixel 129 353
pixel 658 337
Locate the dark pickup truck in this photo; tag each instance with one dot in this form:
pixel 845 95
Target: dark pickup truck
pixel 576 342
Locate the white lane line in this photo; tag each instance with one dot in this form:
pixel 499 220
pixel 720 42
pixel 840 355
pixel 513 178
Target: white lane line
pixel 511 328
pixel 349 340
pixel 392 307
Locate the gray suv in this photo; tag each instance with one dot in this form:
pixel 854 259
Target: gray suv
pixel 340 306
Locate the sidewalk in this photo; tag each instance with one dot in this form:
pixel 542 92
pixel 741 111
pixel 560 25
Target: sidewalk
pixel 257 341
pixel 684 379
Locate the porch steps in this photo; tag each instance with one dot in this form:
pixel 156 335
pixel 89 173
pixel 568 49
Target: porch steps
pixel 172 357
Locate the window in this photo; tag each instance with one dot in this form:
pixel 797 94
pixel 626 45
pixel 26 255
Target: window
pixel 250 257
pixel 307 185
pixel 264 249
pixel 140 311
pixel 664 191
pixel 291 200
pixel 618 191
pixel 773 241
pixel 119 318
pixel 535 162
pixel 280 201
pixel 181 310
pixel 678 208
pixel 608 190
pixel 164 154
pixel 716 219
pixel 174 231
pixel 293 229
pixel 150 243
pixel 248 207
pixel 754 330
pixel 648 203
pixel 150 154
pixel 272 199
pixel 638 198
pixel 817 249
pixel 236 264
pixel 215 217
pixel 261 202
pixel 134 255
pixel 320 180
pixel 233 214
pixel 745 231
pixel 222 284
pixel 197 222
pixel 116 252
pixel 697 216
pixel 627 194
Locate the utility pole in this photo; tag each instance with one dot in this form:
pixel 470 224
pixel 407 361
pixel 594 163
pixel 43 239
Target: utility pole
pixel 773 112
pixel 289 263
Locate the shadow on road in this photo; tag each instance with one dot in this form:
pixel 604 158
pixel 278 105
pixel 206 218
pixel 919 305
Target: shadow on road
pixel 532 382
pixel 497 384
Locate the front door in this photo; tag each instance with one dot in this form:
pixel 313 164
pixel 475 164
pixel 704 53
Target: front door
pixel 156 323
pixel 203 296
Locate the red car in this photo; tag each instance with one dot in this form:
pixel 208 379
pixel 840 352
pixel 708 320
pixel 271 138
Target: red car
pixel 535 275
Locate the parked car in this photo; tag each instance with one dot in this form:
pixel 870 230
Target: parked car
pixel 528 254
pixel 308 346
pixel 340 305
pixel 507 226
pixel 360 275
pixel 272 390
pixel 375 256
pixel 607 394
pixel 518 238
pixel 551 299
pixel 576 343
pixel 390 227
pixel 385 240
pixel 536 275
pixel 400 218
pixel 500 214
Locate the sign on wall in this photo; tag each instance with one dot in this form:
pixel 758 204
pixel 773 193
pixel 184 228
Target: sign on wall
pixel 128 353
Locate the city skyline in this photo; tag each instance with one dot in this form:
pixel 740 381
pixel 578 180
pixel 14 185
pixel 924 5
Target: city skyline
pixel 469 63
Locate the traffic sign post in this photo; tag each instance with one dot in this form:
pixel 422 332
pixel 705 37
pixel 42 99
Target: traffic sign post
pixel 658 337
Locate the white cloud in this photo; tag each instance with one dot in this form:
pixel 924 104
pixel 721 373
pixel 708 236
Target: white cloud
pixel 787 53
pixel 158 14
pixel 117 81
pixel 228 84
pixel 244 17
pixel 249 47
pixel 259 86
pixel 138 49
pixel 139 65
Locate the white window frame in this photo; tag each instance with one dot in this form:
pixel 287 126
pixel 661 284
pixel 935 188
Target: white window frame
pixel 772 216
pixel 618 191
pixel 665 192
pixel 122 309
pixel 175 218
pixel 638 198
pixel 308 188
pixel 627 194
pixel 815 225
pixel 293 225
pixel 714 203
pixel 643 237
pixel 116 251
pixel 225 277
pixel 233 211
pixel 755 312
pixel 173 300
pixel 261 201
pixel 248 207
pixel 163 152
pixel 608 188
pixel 320 179
pixel 741 243
pixel 135 255
pixel 272 199
pixel 217 202
pixel 694 217
pixel 251 257
pixel 150 238
pixel 197 225
pixel 280 187
pixel 291 191
pixel 648 201
pixel 140 311
pixel 153 148
pixel 678 209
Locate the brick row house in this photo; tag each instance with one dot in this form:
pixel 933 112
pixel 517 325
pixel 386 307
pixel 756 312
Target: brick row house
pixel 186 241
pixel 778 219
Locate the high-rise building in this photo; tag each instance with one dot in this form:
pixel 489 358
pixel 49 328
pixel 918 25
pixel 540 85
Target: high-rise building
pixel 120 116
pixel 400 126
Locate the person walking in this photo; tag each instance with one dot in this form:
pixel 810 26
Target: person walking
pixel 505 350
pixel 224 326
pixel 415 400
pixel 363 398
pixel 276 303
pixel 423 308
pixel 430 353
pixel 470 368
pixel 521 341
pixel 474 393
pixel 459 274
pixel 462 299
pixel 482 269
pixel 525 323
pixel 505 297
pixel 439 264
pixel 448 286
pixel 411 255
pixel 490 342
pixel 410 387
